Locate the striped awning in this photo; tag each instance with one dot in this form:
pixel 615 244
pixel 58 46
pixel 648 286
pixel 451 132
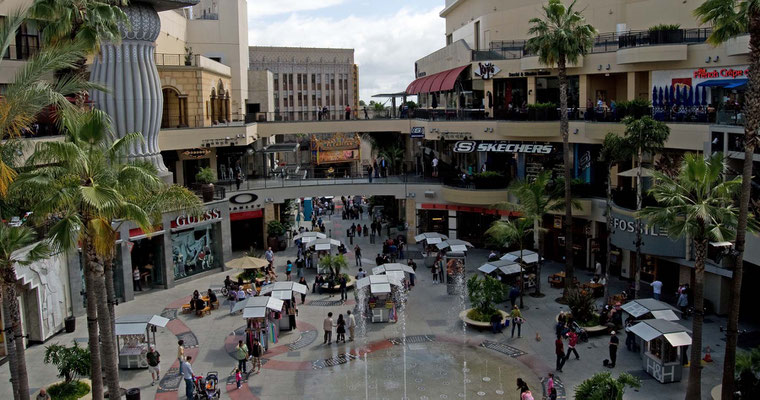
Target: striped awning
pixel 439 82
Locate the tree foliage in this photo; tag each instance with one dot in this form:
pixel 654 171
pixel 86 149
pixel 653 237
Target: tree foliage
pixel 72 362
pixel 482 293
pixel 562 33
pixel 602 386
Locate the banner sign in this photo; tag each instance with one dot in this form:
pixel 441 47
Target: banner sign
pixel 185 220
pixel 487 70
pixel 655 240
pixel 417 132
pixel 469 146
pixel 337 156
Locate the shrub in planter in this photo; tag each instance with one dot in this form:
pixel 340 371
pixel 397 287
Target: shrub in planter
pixel 334 263
pixel 581 304
pixel 489 180
pixel 665 33
pixel 275 229
pixel 206 177
pixel 542 112
pixel 482 293
pixel 72 363
pixel 602 386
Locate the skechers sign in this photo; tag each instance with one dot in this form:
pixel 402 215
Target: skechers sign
pixel 469 146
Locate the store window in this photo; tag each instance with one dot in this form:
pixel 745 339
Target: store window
pixel 434 221
pixel 147 256
pixel 196 250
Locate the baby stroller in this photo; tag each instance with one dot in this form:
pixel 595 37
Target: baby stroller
pixel 582 334
pixel 207 388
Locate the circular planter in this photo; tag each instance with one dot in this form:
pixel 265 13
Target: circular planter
pixel 478 324
pixel 87 396
pixel 591 330
pixel 350 284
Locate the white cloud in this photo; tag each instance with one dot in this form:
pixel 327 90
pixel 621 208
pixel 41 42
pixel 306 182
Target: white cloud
pixel 260 8
pixel 386 47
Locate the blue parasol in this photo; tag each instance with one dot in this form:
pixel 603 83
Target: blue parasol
pixel 679 100
pixel 696 96
pixel 684 95
pixel 672 94
pixel 654 96
pixel 704 96
pixel 659 95
pixel 690 102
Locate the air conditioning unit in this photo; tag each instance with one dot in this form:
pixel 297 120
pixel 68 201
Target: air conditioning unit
pixel 429 194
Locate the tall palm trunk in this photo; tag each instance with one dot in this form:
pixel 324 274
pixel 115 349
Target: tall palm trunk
pixel 537 237
pixel 522 276
pixel 752 113
pixel 11 344
pixel 111 298
pixel 694 388
pixel 639 200
pixel 96 369
pixel 609 234
pixel 108 343
pixel 564 127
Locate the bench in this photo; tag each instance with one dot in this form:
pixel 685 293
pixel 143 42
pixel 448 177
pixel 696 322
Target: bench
pixel 201 313
pixel 186 308
pixel 556 281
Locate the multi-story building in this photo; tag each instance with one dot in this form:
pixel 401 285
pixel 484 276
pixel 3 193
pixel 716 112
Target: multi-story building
pixel 306 80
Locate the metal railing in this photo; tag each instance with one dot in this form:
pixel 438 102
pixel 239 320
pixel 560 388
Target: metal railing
pixel 305 179
pixel 177 60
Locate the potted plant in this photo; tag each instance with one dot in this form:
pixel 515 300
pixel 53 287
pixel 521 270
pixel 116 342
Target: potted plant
pixel 72 364
pixel 665 33
pixel 188 56
pixel 275 231
pixel 482 293
pixel 489 180
pixel 206 178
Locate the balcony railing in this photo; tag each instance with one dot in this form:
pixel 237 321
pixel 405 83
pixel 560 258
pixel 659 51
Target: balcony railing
pixel 603 43
pixel 176 60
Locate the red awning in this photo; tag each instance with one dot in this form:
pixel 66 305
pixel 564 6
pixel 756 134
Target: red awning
pixel 440 82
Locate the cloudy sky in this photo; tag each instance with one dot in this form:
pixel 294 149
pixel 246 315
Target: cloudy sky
pixel 388 36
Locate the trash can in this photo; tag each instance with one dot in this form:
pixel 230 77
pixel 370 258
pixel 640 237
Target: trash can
pixel 70 324
pixel 133 394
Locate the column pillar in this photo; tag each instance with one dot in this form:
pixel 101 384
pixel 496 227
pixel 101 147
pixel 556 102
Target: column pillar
pixel 488 87
pixel 531 89
pixel 631 95
pixel 128 69
pixel 269 215
pixel 452 224
pixel 583 90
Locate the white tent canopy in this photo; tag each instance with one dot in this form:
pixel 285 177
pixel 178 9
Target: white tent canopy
pixel 262 302
pixel 651 329
pixel 378 284
pixel 640 307
pixel 631 173
pixel 138 324
pixel 283 290
pixel 456 245
pixel 430 237
pixel 381 269
pixel 509 257
pixel 528 256
pixel 507 267
pixel 309 236
pixel 323 244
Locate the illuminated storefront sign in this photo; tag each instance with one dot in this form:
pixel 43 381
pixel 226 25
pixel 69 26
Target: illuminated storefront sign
pixel 469 146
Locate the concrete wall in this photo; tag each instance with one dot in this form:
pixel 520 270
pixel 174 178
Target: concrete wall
pixel 452 56
pixel 261 89
pixel 172 39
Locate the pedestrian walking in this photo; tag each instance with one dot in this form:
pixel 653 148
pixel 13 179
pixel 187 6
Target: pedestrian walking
pixel 303 295
pixel 351 325
pixel 630 338
pixel 572 341
pixel 154 364
pixel 517 321
pixel 269 255
pixel 614 342
pixel 358 254
pixel 257 351
pixel 136 278
pixel 327 325
pixel 186 370
pixel 559 350
pixel 434 270
pixel 550 387
pixel 341 329
pixel 683 303
pixel 513 294
pixel 656 289
pixel 288 270
pixel 238 378
pixel 343 293
pixel 241 355
pixel 181 350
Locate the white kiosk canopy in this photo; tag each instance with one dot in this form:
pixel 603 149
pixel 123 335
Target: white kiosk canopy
pixel 651 329
pixel 505 266
pixel 659 309
pixel 138 324
pixel 430 237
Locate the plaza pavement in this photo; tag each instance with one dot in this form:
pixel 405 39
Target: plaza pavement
pixel 299 366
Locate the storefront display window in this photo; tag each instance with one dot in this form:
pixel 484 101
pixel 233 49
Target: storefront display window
pixel 196 250
pixel 434 221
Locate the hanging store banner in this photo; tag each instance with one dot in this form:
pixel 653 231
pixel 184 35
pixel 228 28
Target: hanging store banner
pixel 655 239
pixel 469 146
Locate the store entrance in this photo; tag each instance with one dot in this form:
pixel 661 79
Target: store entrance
pixel 148 257
pixel 247 234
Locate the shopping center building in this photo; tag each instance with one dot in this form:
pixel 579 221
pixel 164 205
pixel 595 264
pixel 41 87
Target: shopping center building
pixel 485 103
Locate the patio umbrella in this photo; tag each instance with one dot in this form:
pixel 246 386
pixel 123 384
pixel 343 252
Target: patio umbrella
pixel 246 262
pixel 654 96
pixel 678 101
pixel 392 267
pixel 697 100
pixel 685 95
pixel 704 96
pixel 672 94
pixel 430 237
pixel 690 101
pixel 283 287
pixel 660 98
pixel 323 244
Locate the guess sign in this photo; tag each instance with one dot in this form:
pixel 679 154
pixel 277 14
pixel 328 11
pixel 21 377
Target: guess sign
pixel 208 215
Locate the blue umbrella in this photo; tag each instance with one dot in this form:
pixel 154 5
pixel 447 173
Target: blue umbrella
pixel 684 95
pixel 672 94
pixel 654 96
pixel 696 96
pixel 660 97
pixel 690 102
pixel 678 97
pixel 704 96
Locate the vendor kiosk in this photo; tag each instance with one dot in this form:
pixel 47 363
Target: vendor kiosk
pixel 649 309
pixel 429 240
pixel 454 272
pixel 133 338
pixel 383 298
pixel 262 314
pixel 508 272
pixel 663 350
pixel 285 292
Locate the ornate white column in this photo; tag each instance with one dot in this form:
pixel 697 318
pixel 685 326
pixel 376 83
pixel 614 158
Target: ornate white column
pixel 128 69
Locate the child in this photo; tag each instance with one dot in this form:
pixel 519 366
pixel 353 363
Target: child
pixel 238 377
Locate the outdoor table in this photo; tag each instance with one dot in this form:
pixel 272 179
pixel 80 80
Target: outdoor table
pixel 596 289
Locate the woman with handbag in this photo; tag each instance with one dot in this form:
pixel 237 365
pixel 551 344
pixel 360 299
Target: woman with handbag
pixel 517 321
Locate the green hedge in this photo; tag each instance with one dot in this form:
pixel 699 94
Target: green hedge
pixel 68 391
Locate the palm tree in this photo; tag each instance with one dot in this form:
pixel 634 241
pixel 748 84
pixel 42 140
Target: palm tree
pixel 510 232
pixel 534 200
pixel 731 18
pixel 87 184
pixel 562 36
pixel 614 149
pixel 394 155
pixel 31 92
pixel 698 203
pixel 644 135
pixel 18 246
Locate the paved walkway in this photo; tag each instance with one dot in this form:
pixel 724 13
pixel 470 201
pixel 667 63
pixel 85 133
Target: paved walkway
pixel 299 366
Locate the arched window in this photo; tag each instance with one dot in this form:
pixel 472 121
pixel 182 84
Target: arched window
pixel 175 108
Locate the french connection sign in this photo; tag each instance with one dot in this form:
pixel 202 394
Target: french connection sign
pixel 469 146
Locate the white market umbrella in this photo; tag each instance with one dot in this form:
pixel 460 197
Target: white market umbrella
pixel 282 287
pixel 632 173
pixel 246 262
pixel 323 244
pixel 430 237
pixel 264 302
pixel 309 236
pixel 528 256
pixel 392 267
pixel 456 245
pixel 378 284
